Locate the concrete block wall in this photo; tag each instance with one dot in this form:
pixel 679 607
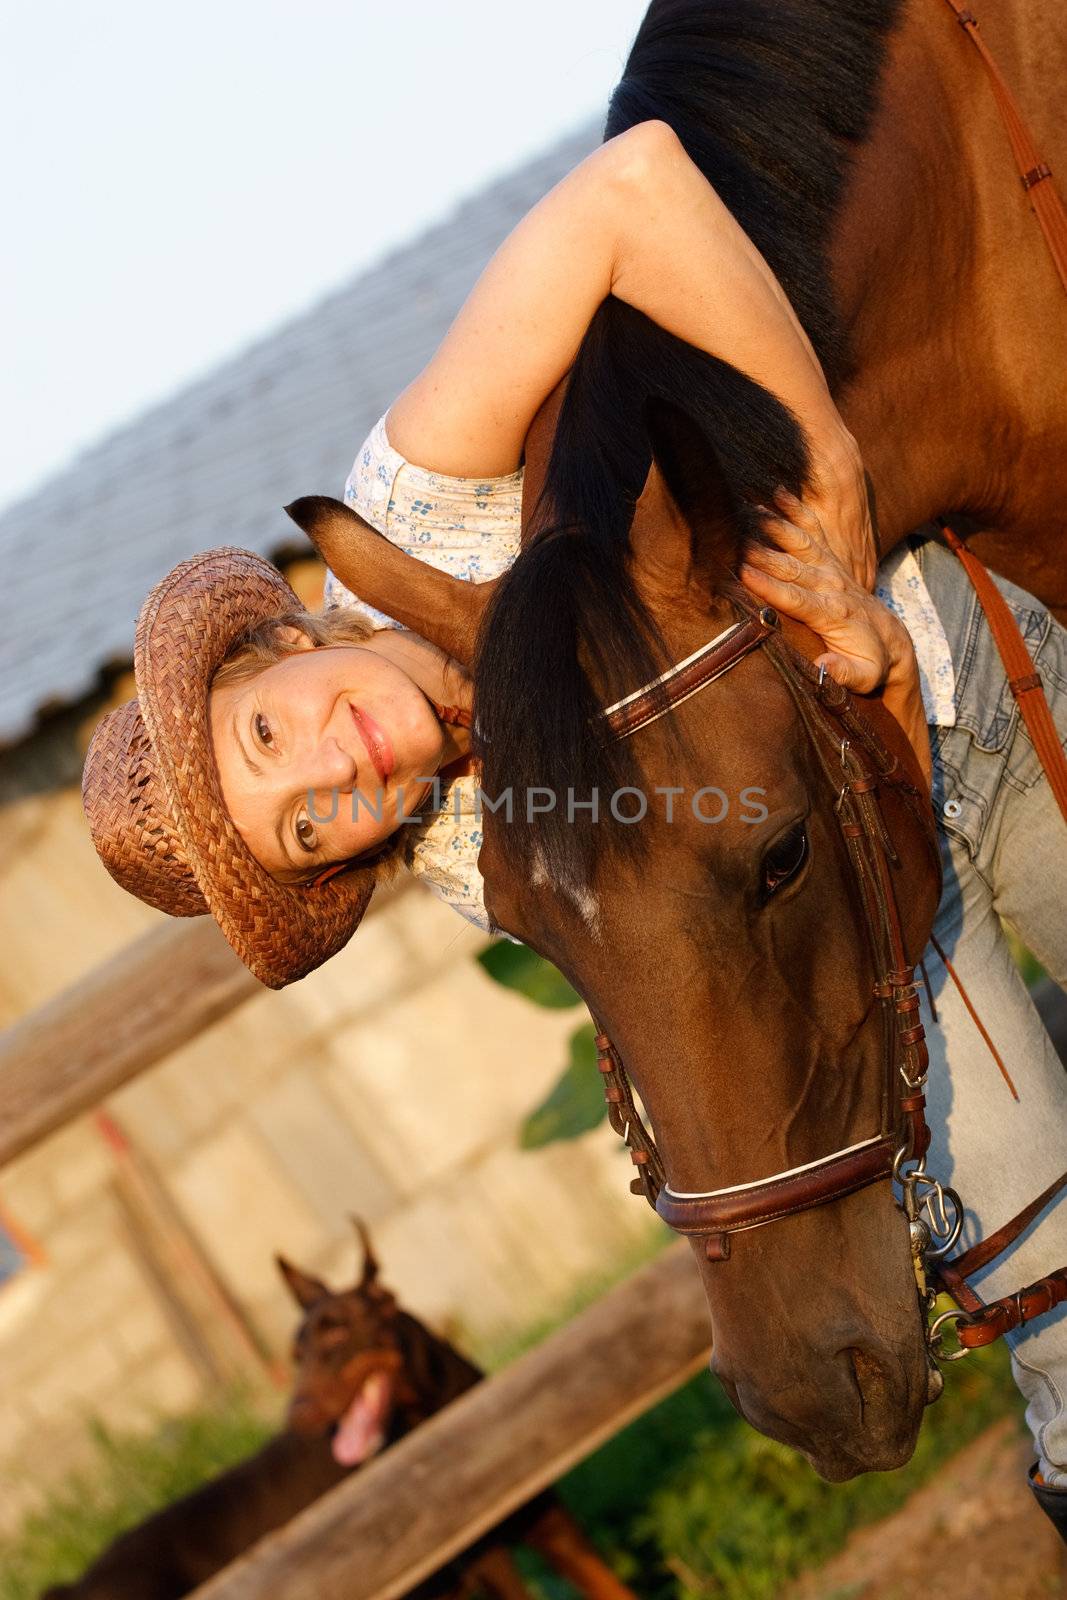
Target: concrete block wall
pixel 391 1084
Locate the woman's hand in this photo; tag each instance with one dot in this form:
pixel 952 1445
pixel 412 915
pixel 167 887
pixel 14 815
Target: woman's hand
pixel 837 495
pixel 867 646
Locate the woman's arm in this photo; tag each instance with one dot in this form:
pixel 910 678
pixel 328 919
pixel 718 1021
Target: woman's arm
pixel 638 220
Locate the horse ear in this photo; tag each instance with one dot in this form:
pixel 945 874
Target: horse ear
pixel 448 611
pixel 686 535
pixel 304 1289
pixel 369 1272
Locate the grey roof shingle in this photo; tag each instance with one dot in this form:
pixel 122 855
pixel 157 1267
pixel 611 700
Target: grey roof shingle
pixel 216 463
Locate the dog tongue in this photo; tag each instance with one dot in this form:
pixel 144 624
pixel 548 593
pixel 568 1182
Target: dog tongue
pixel 362 1428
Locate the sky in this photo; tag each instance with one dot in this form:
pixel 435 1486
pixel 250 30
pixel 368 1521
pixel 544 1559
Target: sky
pixel 178 180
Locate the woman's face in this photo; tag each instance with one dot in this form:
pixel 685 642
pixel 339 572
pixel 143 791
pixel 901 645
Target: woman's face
pixel 322 755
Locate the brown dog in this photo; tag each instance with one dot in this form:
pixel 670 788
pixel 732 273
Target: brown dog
pixel 367 1373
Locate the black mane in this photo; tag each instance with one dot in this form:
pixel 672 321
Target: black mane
pixel 770 98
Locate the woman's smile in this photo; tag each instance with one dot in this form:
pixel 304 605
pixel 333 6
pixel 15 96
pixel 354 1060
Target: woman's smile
pixel 375 740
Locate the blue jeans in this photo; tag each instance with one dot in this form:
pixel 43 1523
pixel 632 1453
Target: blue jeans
pixel 1004 853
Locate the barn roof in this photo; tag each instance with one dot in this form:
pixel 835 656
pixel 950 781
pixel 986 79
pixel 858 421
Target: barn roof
pixel 215 463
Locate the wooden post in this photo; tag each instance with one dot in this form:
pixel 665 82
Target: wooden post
pixel 212 1327
pixel 429 1497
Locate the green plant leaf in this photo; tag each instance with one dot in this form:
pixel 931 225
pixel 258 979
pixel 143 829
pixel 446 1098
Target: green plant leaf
pixel 517 967
pixel 575 1104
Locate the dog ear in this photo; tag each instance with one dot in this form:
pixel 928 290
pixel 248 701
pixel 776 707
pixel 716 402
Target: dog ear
pixel 369 1271
pixel 447 611
pixel 382 1301
pixel 305 1289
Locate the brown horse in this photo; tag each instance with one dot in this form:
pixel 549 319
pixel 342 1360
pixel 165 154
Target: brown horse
pixel 858 144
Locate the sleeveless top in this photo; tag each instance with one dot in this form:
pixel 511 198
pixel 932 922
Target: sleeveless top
pixel 470 528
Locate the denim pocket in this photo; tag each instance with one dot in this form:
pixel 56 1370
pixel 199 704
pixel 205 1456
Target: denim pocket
pixel 1050 659
pixel 985 705
pixel 967 782
pixel 989 746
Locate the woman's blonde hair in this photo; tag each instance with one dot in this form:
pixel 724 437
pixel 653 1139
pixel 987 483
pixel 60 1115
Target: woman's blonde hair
pixel 266 643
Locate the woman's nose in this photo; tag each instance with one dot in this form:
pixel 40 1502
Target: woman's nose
pixel 332 767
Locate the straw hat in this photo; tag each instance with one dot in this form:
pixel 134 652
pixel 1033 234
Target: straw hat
pixel 151 788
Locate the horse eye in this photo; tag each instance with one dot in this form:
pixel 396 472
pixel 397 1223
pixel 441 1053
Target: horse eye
pixel 785 858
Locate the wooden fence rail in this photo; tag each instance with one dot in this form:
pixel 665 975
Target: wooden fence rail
pixel 429 1497
pixel 122 1017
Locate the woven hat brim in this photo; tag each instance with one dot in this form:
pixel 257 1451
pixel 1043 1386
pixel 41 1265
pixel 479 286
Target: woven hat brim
pixel 186 627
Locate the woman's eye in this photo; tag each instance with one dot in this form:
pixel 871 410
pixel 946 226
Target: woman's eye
pixel 785 858
pixel 262 727
pixel 305 833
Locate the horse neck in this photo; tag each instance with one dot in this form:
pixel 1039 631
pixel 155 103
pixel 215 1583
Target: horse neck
pixel 908 278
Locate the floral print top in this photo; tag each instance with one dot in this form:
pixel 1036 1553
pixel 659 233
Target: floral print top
pixel 900 586
pixel 469 527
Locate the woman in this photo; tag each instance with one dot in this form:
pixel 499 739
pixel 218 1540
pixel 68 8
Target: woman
pixel 637 220
pixel 217 790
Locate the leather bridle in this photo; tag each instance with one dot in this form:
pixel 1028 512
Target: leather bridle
pixel 859 767
pixel 864 773
pixel 898 1147
pixel 855 758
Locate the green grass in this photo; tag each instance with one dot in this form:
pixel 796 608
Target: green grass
pixel 1025 960
pixel 131 1476
pixel 687 1502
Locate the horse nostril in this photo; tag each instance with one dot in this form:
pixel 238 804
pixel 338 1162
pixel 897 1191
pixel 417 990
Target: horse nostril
pixel 871 1379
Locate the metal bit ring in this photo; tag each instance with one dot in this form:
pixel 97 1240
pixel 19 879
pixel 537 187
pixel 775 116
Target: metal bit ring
pixel 934 1335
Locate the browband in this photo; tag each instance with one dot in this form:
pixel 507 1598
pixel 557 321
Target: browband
pixel 653 700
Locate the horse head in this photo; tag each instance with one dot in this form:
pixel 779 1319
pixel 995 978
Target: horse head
pixel 723 943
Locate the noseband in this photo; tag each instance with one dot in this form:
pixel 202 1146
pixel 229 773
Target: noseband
pixel 860 770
